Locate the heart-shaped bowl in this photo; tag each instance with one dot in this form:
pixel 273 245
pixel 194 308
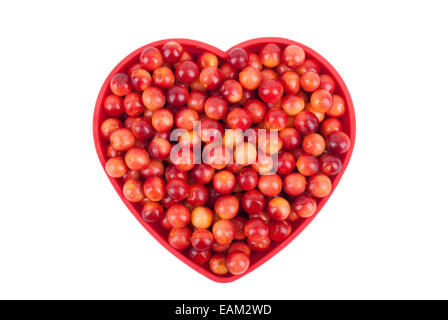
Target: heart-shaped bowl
pixel 196 47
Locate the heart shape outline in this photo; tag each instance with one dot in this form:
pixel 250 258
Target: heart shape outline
pixel 195 47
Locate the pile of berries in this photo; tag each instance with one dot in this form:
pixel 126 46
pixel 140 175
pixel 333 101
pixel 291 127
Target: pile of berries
pixel 250 188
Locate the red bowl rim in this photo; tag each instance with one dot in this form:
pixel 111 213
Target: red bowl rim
pixel 350 125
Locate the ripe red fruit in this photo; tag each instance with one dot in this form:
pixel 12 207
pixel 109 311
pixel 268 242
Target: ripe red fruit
pixel 278 209
pixel 270 91
pixel 237 262
pixel 253 201
pixel 270 185
pixel 256 229
pixel 113 105
pixel 223 231
pixel 227 206
pixel 337 142
pixel 178 215
pixel 279 230
pixel 179 238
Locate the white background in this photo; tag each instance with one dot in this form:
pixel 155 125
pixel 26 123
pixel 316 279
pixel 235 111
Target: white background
pixel 64 233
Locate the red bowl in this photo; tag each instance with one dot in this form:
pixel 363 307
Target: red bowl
pixel 196 47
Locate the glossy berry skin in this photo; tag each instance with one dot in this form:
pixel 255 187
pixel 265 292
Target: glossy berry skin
pixel 294 184
pixel 163 77
pixel 239 118
pixel 327 83
pixel 218 157
pixel 337 142
pixel 330 125
pixel 201 217
pixel 276 119
pixel 133 104
pixel 113 105
pixel 185 118
pixel 224 181
pixel 237 262
pixel 177 96
pixel 172 51
pixel 253 201
pixel 321 100
pixel 152 211
pixel 217 264
pixel 290 81
pixel 308 65
pixel 207 59
pixel 131 174
pixel 228 73
pixel 256 229
pixel 240 246
pixel 202 239
pixel 142 129
pixel 153 98
pixel 115 167
pixel 319 186
pixel 132 190
pixel 256 110
pixel 330 165
pixel 270 91
pixel 270 55
pixel 279 230
pixel 159 149
pixel 154 188
pixel 196 100
pixel 232 91
pixel 109 126
pixel 259 246
pixel 202 173
pixel 286 163
pixel 177 189
pixel 310 81
pixel 293 56
pixel 223 231
pixel 210 78
pixel 179 238
pixel 293 104
pixel 136 158
pixel 270 185
pixel 290 138
pixel 304 206
pixel 151 58
pixel 250 78
pixel 313 144
pixel 141 79
pixel 172 172
pixel 306 122
pixel 220 248
pixel 154 168
pixel 338 107
pixel 120 84
pixel 278 209
pixel 187 72
pixel 307 164
pixel 216 108
pixel 247 178
pixel 227 206
pixel 178 215
pixel 239 222
pixel 199 256
pixel 197 195
pixel 162 120
pixel 122 139
pixel 238 58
